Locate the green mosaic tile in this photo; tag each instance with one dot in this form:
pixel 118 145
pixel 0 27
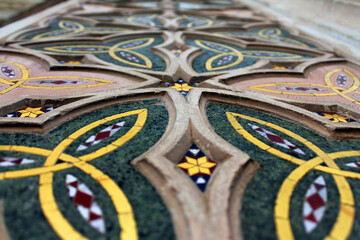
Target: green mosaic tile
pixel 258 203
pixel 23 209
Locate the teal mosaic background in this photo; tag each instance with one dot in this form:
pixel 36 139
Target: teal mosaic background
pixel 52 27
pixel 198 63
pixel 158 64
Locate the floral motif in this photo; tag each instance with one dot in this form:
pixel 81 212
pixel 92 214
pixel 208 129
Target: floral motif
pixel 197 166
pixel 176 51
pixel 30 112
pixel 335 117
pixel 182 86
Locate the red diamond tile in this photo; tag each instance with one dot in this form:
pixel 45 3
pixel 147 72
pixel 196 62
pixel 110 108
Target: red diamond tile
pixel 83 199
pixel 102 135
pixel 315 201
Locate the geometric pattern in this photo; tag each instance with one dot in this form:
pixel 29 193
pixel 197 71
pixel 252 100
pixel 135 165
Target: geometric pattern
pixel 176 51
pixel 315 204
pixel 54 149
pixel 353 164
pixel 196 21
pixel 332 83
pixel 302 89
pixel 275 35
pixel 335 117
pixel 100 136
pixel 182 86
pixel 142 19
pixel 12 161
pixel 32 78
pixel 283 68
pixel 276 139
pixel 197 166
pixel 342 80
pixel 58 82
pixel 8 71
pixel 221 56
pixel 266 156
pixel 83 198
pixel 29 112
pixel 131 52
pixel 70 28
pixel 324 158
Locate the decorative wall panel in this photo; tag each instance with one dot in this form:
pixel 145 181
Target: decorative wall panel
pixel 176 120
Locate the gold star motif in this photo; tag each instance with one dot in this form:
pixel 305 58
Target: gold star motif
pixel 335 118
pixel 31 112
pixel 280 68
pixel 195 166
pixel 182 87
pixel 176 51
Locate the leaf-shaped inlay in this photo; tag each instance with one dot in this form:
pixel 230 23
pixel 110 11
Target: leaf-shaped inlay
pixel 270 31
pixel 83 198
pixel 91 49
pixel 8 71
pixel 100 136
pixel 58 82
pixel 224 60
pixel 68 24
pixel 129 57
pixel 303 89
pixel 314 206
pixel 270 54
pixel 341 80
pixel 286 40
pixel 279 35
pixel 77 49
pixel 12 161
pixel 133 44
pixel 57 33
pixel 215 46
pixel 276 139
pixel 105 29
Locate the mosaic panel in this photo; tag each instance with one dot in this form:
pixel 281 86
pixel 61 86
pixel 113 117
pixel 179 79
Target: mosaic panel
pixel 22 77
pixel 197 166
pixel 328 83
pixel 132 52
pixel 220 56
pixel 275 35
pixel 137 19
pixel 182 86
pixel 307 186
pixel 67 28
pixel 31 112
pixel 107 164
pixel 334 117
pixel 93 193
pixel 190 21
